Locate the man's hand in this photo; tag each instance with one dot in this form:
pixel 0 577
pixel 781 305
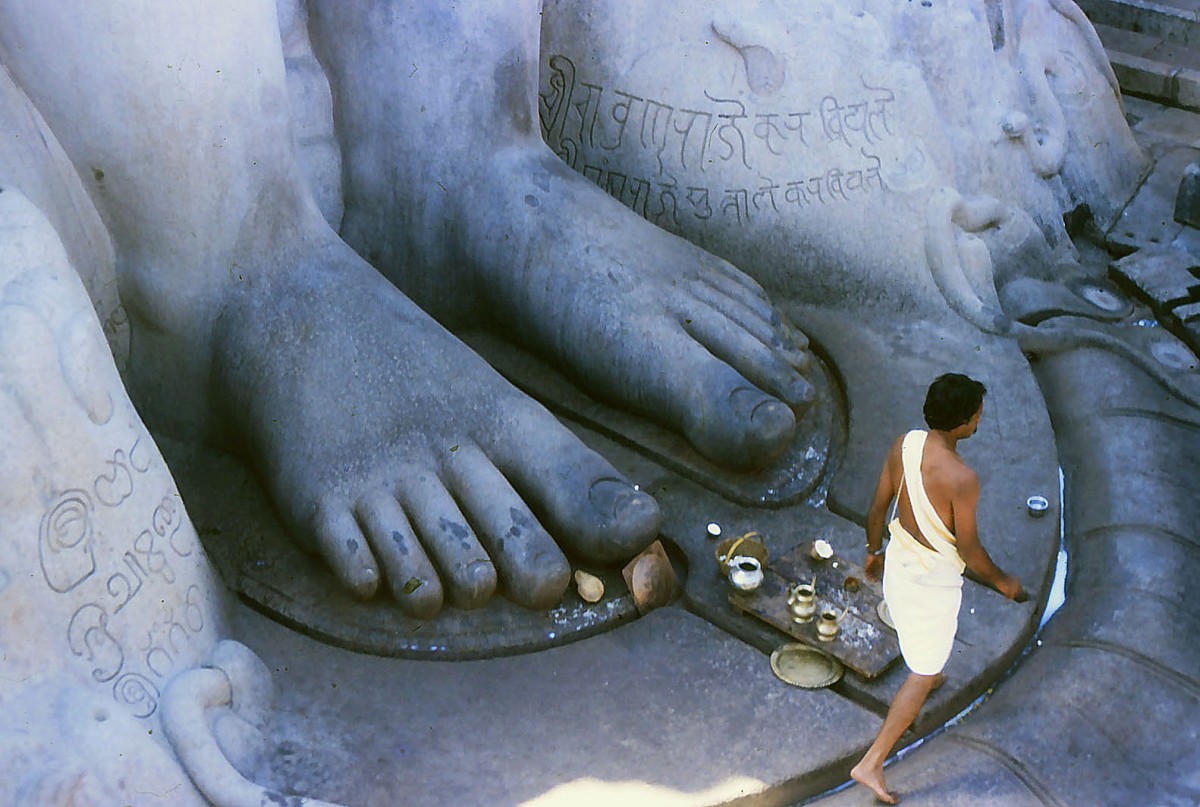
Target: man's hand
pixel 1010 587
pixel 873 567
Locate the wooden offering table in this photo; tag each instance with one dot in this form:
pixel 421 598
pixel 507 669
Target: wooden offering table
pixel 865 644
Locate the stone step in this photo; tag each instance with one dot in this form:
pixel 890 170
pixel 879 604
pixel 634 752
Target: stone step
pixel 1154 47
pixel 1168 280
pixel 1152 67
pixel 1176 21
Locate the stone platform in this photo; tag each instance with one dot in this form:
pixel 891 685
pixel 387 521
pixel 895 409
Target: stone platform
pixel 680 707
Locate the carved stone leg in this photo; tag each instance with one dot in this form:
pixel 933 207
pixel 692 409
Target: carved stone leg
pixel 105 592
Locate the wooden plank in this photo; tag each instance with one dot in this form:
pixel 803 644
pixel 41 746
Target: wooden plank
pixel 864 644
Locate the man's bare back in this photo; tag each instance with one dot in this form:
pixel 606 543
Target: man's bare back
pixel 950 484
pixel 947 479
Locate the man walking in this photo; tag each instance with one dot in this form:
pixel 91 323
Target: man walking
pixel 933 538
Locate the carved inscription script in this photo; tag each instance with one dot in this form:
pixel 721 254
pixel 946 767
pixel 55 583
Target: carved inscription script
pixel 831 145
pixel 68 543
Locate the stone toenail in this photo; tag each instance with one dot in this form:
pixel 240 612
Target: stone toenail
pixel 769 411
pixel 610 496
pixel 744 400
pixel 800 392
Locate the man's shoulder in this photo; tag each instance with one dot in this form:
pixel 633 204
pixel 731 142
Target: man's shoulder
pixel 952 471
pixel 962 475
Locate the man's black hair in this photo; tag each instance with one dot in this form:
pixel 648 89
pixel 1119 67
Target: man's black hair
pixel 952 400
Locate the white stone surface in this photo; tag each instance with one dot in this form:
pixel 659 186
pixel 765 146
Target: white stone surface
pixel 105 592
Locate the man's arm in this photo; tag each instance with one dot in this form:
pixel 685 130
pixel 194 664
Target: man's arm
pixel 966 533
pixel 877 514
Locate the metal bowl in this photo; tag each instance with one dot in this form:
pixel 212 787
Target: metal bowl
pixel 1037 506
pixel 745 572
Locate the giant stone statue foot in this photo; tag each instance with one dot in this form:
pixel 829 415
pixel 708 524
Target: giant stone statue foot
pixel 485 225
pixel 645 320
pixel 402 457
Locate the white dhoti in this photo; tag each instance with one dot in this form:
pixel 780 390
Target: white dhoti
pixel 922 586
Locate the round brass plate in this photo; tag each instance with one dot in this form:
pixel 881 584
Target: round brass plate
pixel 804 666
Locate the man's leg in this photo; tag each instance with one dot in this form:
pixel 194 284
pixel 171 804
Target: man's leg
pixel 902 712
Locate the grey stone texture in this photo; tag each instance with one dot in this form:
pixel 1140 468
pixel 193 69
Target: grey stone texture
pixel 653 712
pixel 1148 220
pixel 1171 20
pixel 105 590
pixel 1164 278
pixel 761 196
pixel 1187 200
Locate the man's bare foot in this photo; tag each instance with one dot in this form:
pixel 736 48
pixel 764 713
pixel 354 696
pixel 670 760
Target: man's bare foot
pixel 872 777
